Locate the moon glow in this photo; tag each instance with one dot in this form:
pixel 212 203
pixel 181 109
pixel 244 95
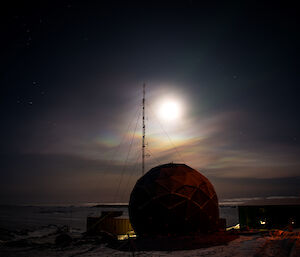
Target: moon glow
pixel 170 110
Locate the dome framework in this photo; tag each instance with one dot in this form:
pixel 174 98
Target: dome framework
pixel 173 199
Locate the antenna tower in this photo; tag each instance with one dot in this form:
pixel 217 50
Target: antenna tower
pixel 144 132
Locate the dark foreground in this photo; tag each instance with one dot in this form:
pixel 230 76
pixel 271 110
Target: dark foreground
pixel 58 241
pixel 164 243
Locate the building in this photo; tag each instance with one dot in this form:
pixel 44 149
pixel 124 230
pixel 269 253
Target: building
pixel 270 214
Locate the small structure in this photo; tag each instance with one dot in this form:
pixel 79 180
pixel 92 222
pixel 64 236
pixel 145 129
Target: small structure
pixel 270 214
pixel 111 223
pixel 173 199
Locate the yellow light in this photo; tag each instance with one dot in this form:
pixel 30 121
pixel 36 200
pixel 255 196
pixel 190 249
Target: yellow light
pixel 237 226
pixel 130 234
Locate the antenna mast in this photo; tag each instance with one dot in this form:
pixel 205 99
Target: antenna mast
pixel 144 132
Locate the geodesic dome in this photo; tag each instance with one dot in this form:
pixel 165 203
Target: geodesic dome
pixel 173 199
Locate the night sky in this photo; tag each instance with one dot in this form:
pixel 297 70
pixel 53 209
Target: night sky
pixel 71 88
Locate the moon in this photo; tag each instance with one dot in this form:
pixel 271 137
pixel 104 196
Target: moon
pixel 170 110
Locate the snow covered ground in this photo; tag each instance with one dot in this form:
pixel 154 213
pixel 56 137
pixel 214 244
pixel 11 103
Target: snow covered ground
pixel 243 246
pixel 278 243
pixel 40 244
